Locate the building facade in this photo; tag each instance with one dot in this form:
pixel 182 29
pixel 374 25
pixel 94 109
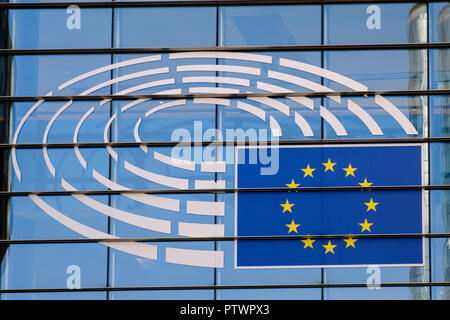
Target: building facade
pixel 97 96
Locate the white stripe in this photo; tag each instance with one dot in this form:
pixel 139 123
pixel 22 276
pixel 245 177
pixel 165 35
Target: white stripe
pixel 130 76
pixel 109 67
pixel 365 117
pixel 224 102
pixel 227 80
pixel 158 225
pixel 213 90
pixel 323 73
pixel 132 104
pixel 139 249
pixel 275 127
pixel 225 68
pixel 174 162
pixel 224 55
pixel 252 109
pixel 148 199
pixel 188 229
pixel 136 135
pixel 396 114
pixel 198 258
pixel 272 103
pixel 157 178
pixel 213 166
pixel 307 102
pixel 303 125
pixel 165 105
pixel 209 184
pixel 146 85
pixel 75 137
pixel 113 154
pixel 209 208
pixel 333 121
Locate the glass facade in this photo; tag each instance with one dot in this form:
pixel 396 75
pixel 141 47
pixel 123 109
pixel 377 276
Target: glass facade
pixel 359 73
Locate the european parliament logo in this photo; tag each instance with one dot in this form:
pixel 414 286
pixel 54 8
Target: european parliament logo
pixel 311 210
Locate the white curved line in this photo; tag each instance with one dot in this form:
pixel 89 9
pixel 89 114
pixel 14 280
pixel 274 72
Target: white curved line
pixel 333 121
pixel 198 258
pixel 111 151
pixel 176 183
pixel 75 137
pixel 307 102
pixel 303 125
pixel 224 68
pixel 209 184
pixel 213 166
pixel 148 199
pixel 174 162
pixel 224 102
pixel 208 208
pixel 146 85
pixel 104 101
pixel 396 114
pixel 47 160
pixel 136 135
pixel 227 80
pixel 188 229
pixel 365 118
pixel 311 85
pixel 275 127
pixel 108 68
pixel 130 76
pixel 139 249
pixel 132 104
pixel 16 135
pixel 324 73
pixel 223 55
pixel 153 224
pixel 272 103
pixel 165 105
pixel 217 90
pixel 252 109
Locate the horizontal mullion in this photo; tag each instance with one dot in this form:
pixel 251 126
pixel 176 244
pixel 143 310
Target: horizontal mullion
pixel 225 190
pixel 226 238
pixel 64 145
pixel 430 92
pixel 318 47
pixel 192 3
pixel 231 287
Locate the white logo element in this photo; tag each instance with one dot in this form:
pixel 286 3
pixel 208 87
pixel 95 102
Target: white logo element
pixel 74 20
pixel 374 280
pixel 74 280
pixel 374 20
pixel 185 75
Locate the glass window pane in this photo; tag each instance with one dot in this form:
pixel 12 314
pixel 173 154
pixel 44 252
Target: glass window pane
pixel 440 116
pixel 440 163
pixel 165 27
pixel 375 23
pixel 439 21
pixel 57 28
pixel 270 25
pixel 441 267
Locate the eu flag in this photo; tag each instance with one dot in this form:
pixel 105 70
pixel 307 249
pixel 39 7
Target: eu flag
pixel 348 213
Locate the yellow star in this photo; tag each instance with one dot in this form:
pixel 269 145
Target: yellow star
pixel 349 170
pixel 350 242
pixel 308 243
pixel 329 165
pixel 292 226
pixel 308 171
pixel 365 183
pixel 371 205
pixel 293 184
pixel 329 247
pixel 287 206
pixel 365 225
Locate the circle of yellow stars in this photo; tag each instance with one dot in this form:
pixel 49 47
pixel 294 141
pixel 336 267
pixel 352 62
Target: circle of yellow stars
pixel 308 172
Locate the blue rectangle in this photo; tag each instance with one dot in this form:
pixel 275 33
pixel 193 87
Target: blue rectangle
pixel 343 213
